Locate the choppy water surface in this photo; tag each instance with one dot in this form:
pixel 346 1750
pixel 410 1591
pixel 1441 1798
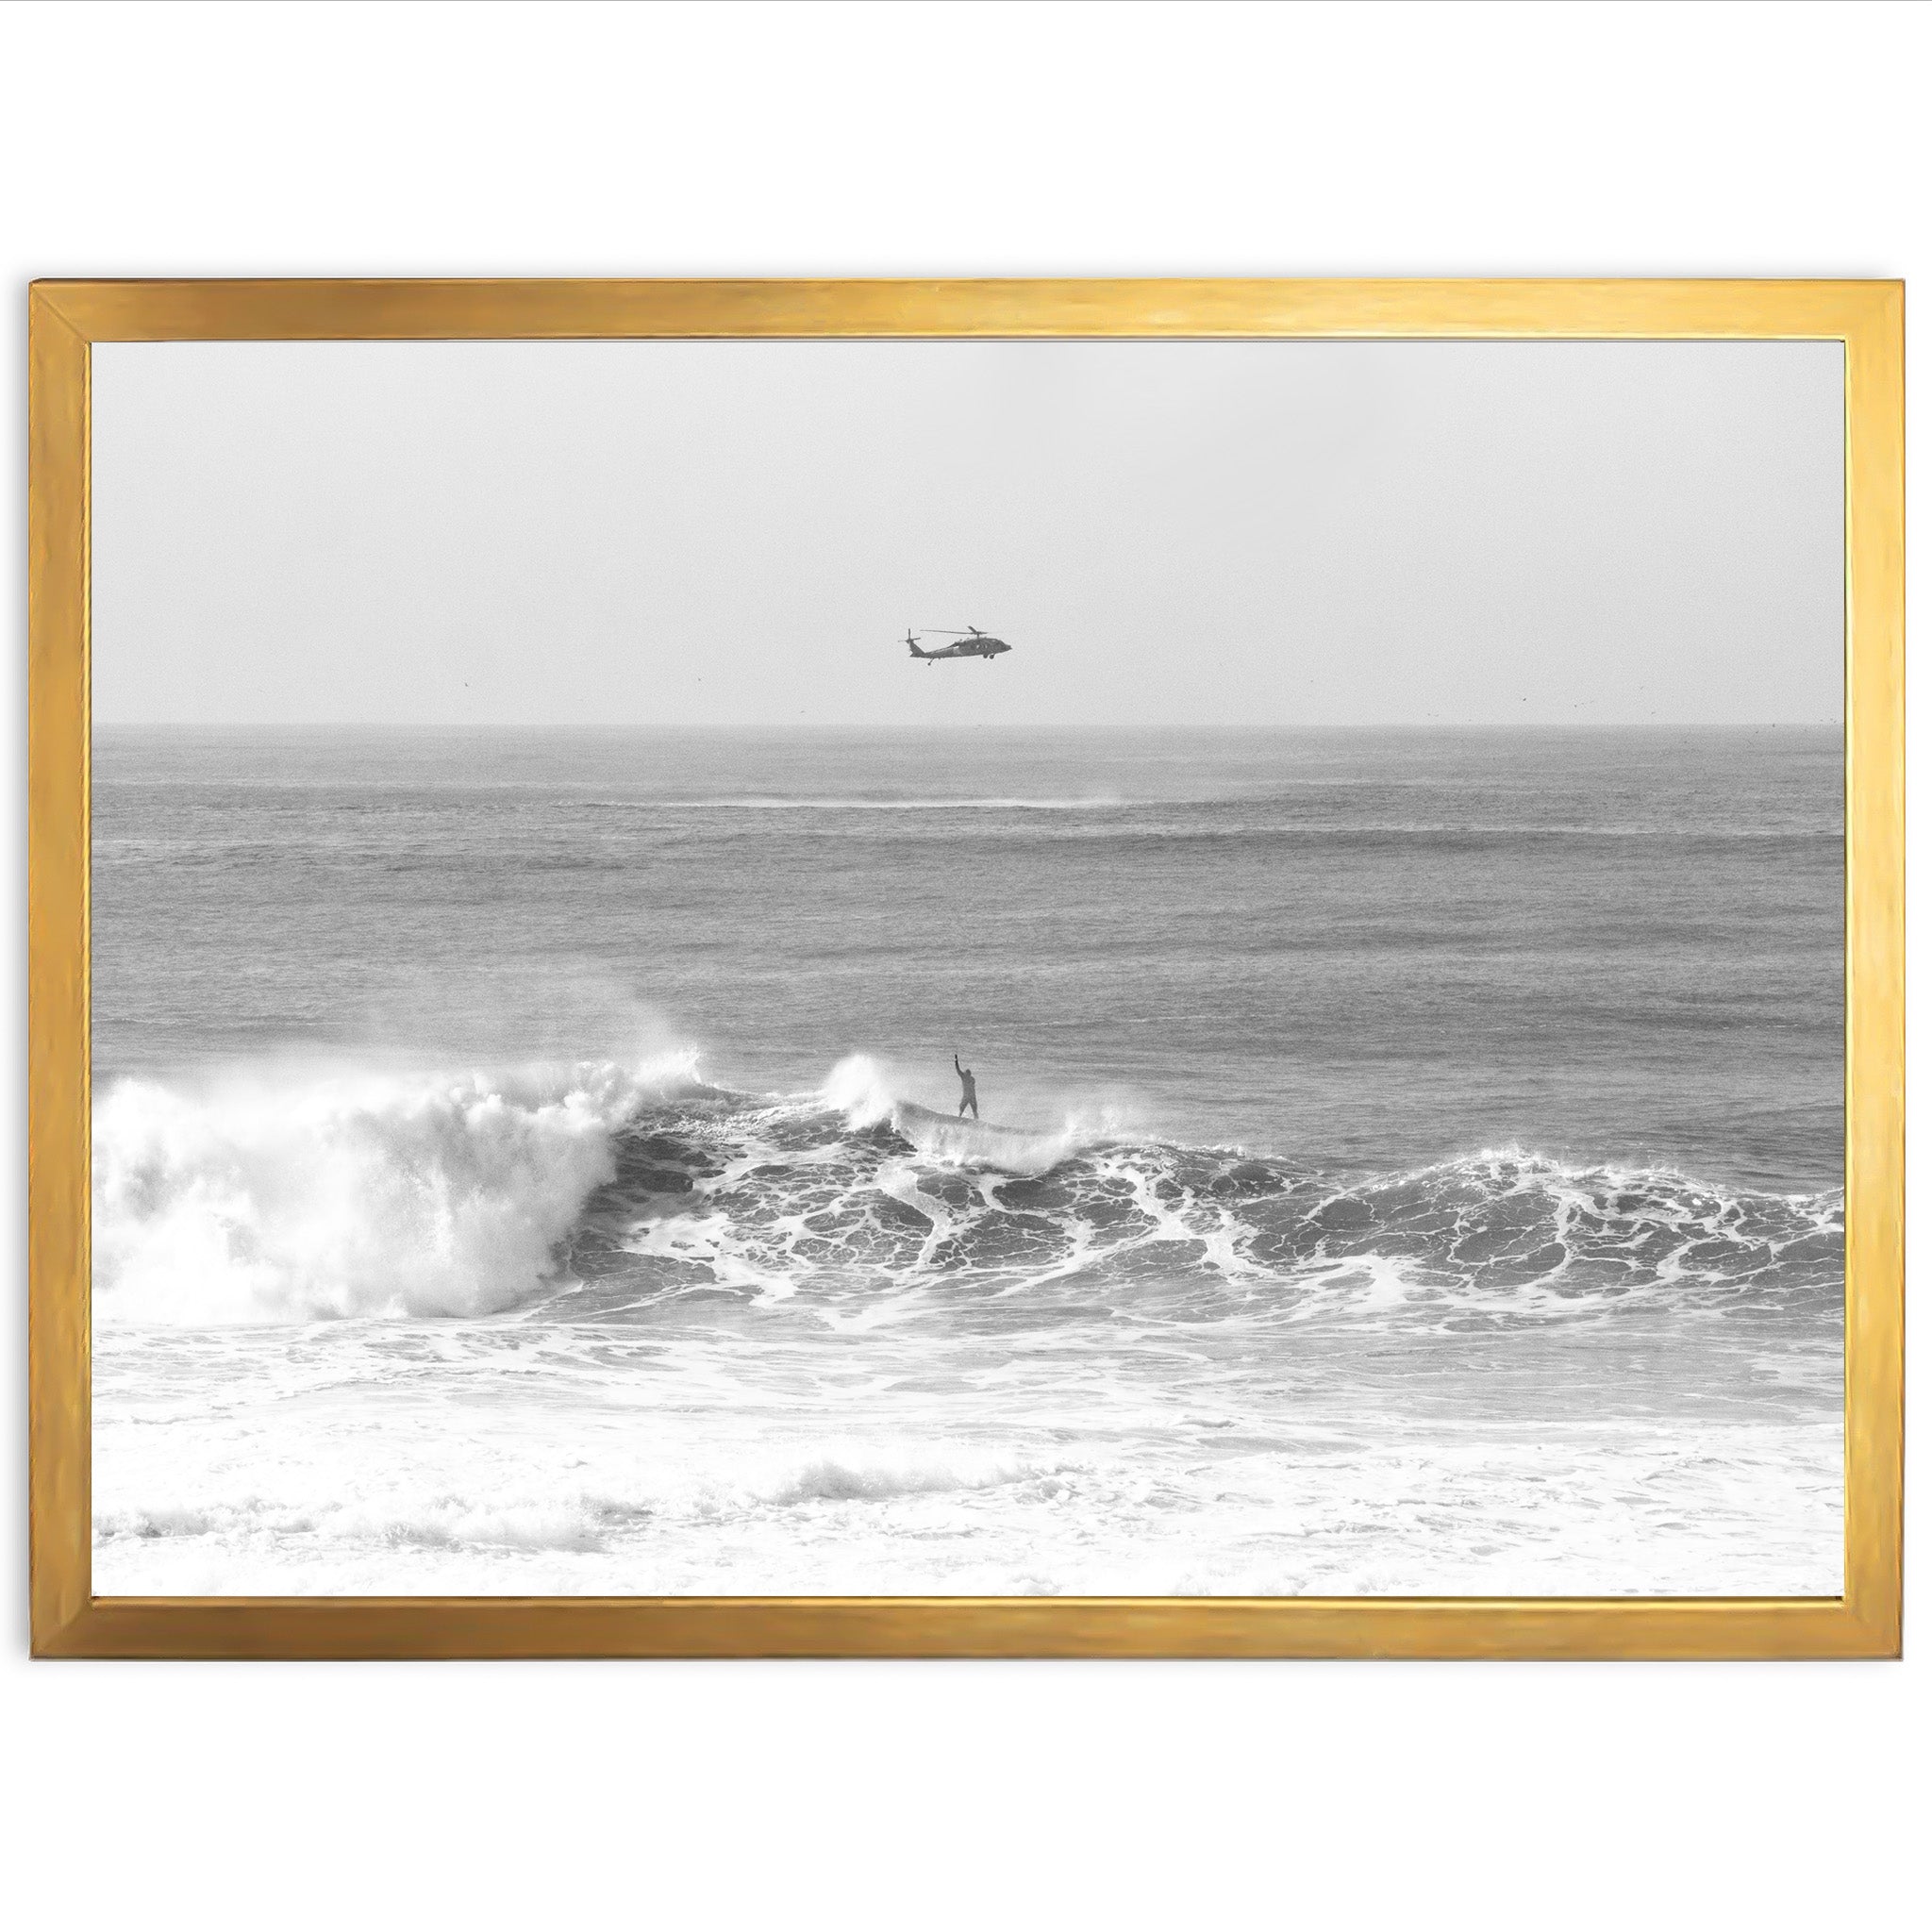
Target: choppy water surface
pixel 1427 1176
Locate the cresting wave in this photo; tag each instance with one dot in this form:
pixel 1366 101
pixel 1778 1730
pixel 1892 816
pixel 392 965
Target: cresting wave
pixel 601 1193
pixel 292 1198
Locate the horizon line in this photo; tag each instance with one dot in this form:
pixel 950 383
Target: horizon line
pixel 459 728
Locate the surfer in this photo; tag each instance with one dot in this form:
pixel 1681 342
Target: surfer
pixel 969 1094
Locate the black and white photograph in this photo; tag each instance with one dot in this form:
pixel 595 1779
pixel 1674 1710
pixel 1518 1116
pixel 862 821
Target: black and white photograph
pixel 968 967
pixel 964 965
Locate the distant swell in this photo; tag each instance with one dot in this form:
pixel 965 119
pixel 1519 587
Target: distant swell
pixel 601 1193
pixel 808 804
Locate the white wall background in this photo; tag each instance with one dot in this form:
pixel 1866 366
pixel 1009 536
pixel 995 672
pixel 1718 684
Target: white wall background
pixel 558 139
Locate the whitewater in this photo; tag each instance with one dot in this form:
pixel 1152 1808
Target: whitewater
pixel 1119 1337
pixel 571 1202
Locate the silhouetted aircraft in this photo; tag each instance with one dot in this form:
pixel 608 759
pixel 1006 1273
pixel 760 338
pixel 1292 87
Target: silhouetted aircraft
pixel 973 644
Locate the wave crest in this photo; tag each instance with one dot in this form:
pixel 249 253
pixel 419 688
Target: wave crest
pixel 279 1198
pixel 601 1192
pixel 868 1215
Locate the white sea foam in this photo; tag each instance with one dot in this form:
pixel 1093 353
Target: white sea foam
pixel 860 1088
pixel 683 1462
pixel 867 1091
pixel 272 1197
pixel 283 1196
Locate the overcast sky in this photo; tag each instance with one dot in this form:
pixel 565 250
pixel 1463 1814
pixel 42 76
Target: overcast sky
pixel 1273 533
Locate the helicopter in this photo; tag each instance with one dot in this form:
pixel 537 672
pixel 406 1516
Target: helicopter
pixel 973 644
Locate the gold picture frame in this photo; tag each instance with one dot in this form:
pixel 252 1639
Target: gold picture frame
pixel 66 318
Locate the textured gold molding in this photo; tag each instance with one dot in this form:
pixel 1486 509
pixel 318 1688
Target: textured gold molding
pixel 60 1451
pixel 592 311
pixel 64 318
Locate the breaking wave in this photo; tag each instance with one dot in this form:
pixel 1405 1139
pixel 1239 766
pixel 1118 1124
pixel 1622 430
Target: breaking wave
pixel 288 1198
pixel 603 1194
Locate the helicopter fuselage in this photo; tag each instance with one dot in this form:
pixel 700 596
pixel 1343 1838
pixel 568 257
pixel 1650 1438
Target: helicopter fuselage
pixel 966 647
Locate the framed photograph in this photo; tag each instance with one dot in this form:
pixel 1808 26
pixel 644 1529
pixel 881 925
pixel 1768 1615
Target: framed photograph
pixel 966 968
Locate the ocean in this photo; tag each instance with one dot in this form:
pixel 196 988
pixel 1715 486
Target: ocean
pixel 1419 1165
